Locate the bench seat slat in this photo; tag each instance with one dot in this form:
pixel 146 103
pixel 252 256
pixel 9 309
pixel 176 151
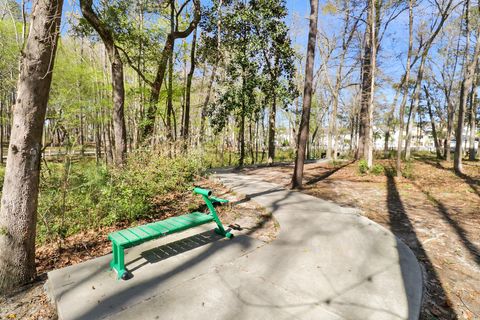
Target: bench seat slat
pixel 150 231
pixel 157 228
pixel 118 238
pixel 129 236
pixel 136 236
pixel 169 224
pixel 140 233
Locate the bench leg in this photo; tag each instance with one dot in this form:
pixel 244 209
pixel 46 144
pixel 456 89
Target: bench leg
pixel 118 262
pixel 220 229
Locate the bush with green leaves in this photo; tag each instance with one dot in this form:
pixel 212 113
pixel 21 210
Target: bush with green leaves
pixel 363 166
pixel 377 170
pixel 79 195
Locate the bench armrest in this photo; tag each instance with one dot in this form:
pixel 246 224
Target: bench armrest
pixel 203 192
pixel 215 199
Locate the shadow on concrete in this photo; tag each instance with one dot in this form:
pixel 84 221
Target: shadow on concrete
pixel 402 227
pixel 332 298
pixel 123 296
pixel 249 197
pixel 172 249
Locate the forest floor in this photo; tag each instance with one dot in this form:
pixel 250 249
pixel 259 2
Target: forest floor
pixel 31 301
pixel 434 211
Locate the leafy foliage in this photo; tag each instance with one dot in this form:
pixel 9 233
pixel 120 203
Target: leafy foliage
pixel 258 58
pixel 78 195
pixel 363 166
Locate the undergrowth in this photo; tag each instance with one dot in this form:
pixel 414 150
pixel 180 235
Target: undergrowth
pixel 77 195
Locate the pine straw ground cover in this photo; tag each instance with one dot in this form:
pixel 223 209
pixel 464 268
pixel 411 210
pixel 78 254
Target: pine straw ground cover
pixel 434 211
pixel 31 302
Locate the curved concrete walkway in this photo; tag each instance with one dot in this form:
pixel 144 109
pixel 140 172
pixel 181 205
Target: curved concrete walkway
pixel 328 262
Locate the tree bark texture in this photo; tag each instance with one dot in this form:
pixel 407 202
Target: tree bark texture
pixel 469 72
pixel 297 178
pixel 405 90
pixel 365 141
pixel 186 117
pixel 20 189
pixel 118 88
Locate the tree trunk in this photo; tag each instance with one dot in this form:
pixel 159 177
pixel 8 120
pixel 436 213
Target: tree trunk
pixel 186 117
pixel 473 117
pixel 365 142
pixel 170 76
pixel 415 103
pixel 241 139
pixel 156 87
pixel 390 118
pixel 469 72
pixel 405 90
pixel 432 121
pixel 18 213
pixel 214 72
pixel 168 119
pixel 118 89
pixel 271 129
pixel 1 130
pixel 450 121
pixel 162 67
pixel 251 142
pixel 297 178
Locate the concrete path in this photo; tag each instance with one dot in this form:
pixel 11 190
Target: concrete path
pixel 328 262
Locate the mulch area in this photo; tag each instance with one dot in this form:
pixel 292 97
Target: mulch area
pixel 435 212
pixel 31 301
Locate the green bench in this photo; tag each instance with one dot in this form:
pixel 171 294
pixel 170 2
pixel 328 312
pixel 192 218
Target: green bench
pixel 131 237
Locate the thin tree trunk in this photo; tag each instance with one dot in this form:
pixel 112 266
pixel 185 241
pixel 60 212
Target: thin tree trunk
pixel 390 118
pixel 186 118
pixel 297 178
pixel 473 117
pixel 432 121
pixel 415 103
pixel 118 89
pixel 469 72
pixel 251 142
pixel 271 129
pixel 162 67
pixel 18 213
pixel 241 139
pixel 214 72
pixel 405 90
pixel 1 130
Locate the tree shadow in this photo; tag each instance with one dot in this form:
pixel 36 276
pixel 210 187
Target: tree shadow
pixel 402 227
pixel 327 174
pixel 472 182
pixel 172 249
pixel 332 299
pixel 125 294
pixel 442 209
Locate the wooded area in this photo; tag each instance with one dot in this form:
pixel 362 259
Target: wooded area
pixel 123 101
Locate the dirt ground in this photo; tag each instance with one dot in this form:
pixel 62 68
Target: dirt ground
pixel 31 302
pixel 435 212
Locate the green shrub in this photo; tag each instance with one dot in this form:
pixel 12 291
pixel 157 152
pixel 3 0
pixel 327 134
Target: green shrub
pixel 407 171
pixel 363 166
pixel 377 169
pixel 81 195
